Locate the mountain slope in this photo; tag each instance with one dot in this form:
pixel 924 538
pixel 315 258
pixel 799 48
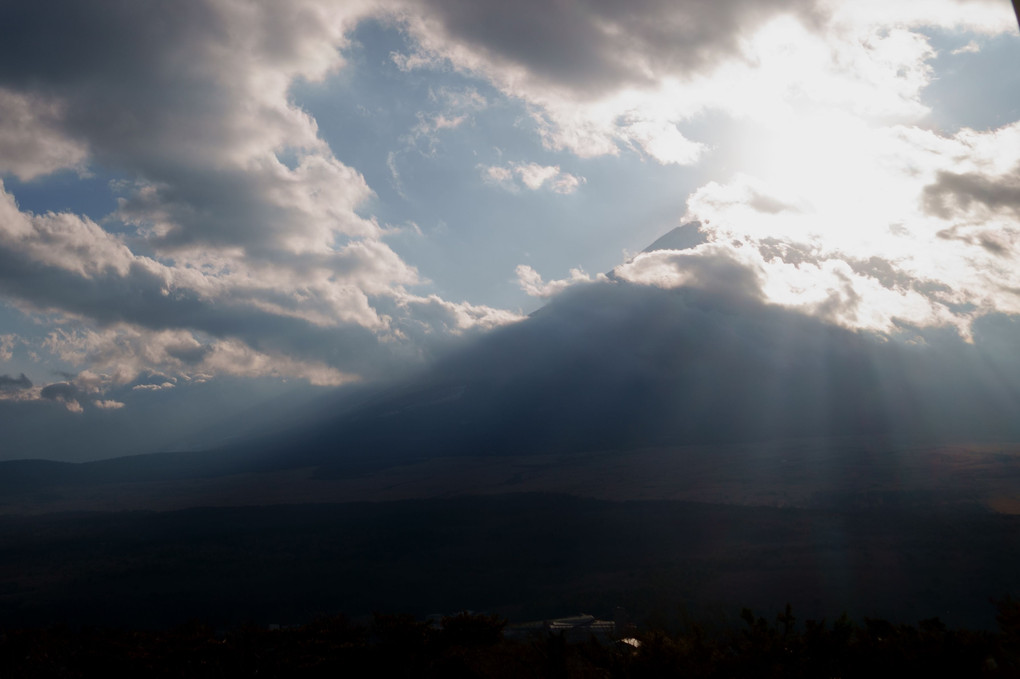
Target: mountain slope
pixel 614 365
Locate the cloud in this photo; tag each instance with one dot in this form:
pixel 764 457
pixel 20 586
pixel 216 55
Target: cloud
pixel 531 176
pixel 153 387
pixel 598 77
pixel 502 177
pixel 663 141
pixel 707 267
pixel 588 48
pixel 433 315
pixel 456 107
pixel 120 355
pixel 953 194
pixel 66 264
pixel 222 102
pixel 65 393
pixel 7 343
pixel 18 389
pixel 238 246
pixel 8 383
pixel 63 241
pixel 824 198
pixel 32 142
pixel 972 47
pixel 534 175
pixel 531 281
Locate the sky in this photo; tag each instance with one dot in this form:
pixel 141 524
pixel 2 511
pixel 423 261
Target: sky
pixel 214 208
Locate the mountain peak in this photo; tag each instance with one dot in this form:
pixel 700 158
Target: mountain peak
pixel 683 237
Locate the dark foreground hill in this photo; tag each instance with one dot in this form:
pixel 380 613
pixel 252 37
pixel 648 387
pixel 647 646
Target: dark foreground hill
pixel 469 645
pixel 525 557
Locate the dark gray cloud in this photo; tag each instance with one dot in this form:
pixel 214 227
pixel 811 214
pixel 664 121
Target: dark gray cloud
pixel 167 92
pixel 31 140
pixel 191 354
pixel 60 391
pixel 789 252
pixel 8 383
pixel 884 271
pixel 769 204
pixel 894 278
pixel 132 69
pixel 991 242
pixel 592 46
pixel 952 192
pixel 112 63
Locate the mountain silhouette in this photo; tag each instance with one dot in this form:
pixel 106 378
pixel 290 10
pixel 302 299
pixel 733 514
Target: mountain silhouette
pixel 614 365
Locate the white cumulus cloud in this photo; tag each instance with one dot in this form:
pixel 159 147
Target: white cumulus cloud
pixel 531 176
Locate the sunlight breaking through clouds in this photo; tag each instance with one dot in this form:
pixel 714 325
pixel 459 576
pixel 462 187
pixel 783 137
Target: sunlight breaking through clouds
pixel 246 240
